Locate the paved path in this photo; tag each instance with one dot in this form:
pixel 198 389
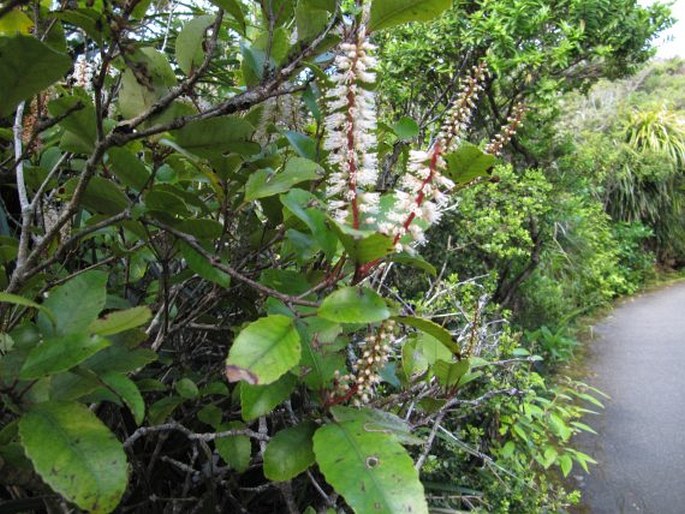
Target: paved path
pixel 638 358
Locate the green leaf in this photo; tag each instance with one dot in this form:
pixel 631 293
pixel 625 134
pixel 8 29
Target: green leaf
pixel 305 146
pixel 80 125
pixel 234 449
pixel 190 42
pixel 233 8
pixel 354 305
pixel 15 22
pixel 75 304
pixel 413 260
pixel 406 129
pixel 187 389
pixel 75 454
pixel 388 13
pixel 369 468
pixel 20 300
pixel 256 400
pixel 264 351
pixel 120 321
pixel 431 328
pixel 299 203
pixel 467 163
pixel 17 80
pixel 379 421
pixel 201 228
pixel 318 368
pixel 311 17
pixel 450 373
pixel 119 358
pixel 148 79
pixel 211 415
pixel 363 245
pixel 61 353
pixel 290 452
pixel 203 267
pixel 128 391
pixel 565 463
pixel 162 409
pixel 215 136
pixel 264 183
pixel 128 168
pixel 91 21
pixel 101 196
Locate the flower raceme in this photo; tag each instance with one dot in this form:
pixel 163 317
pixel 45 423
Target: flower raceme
pixel 351 142
pixel 351 132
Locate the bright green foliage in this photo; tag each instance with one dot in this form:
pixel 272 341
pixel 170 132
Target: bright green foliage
pixel 290 452
pixel 264 351
pixel 19 82
pixel 66 440
pixel 354 305
pixel 373 472
pixel 213 292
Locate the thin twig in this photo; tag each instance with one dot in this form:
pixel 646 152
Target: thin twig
pixel 21 185
pixel 193 436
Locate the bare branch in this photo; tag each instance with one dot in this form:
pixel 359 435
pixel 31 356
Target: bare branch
pixel 193 436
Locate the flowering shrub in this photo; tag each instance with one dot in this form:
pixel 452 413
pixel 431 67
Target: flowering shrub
pixel 194 259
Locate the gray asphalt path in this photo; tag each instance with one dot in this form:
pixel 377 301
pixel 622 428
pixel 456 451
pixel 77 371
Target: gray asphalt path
pixel 638 358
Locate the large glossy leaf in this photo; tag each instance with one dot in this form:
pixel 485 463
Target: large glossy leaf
pixel 61 353
pixel 290 452
pixel 264 351
pixel 259 400
pixel 354 305
pixel 75 304
pixel 369 468
pixel 264 183
pixel 75 454
pixel 467 163
pixel 18 81
pixel 189 43
pixel 388 13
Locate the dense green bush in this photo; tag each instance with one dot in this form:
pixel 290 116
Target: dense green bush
pixel 210 246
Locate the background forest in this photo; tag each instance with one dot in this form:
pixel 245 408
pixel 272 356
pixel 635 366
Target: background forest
pixel 320 256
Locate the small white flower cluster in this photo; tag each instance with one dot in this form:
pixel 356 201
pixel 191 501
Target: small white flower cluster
pixel 282 111
pixel 458 118
pixel 374 355
pixel 508 131
pixel 83 73
pixel 421 195
pixel 350 132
